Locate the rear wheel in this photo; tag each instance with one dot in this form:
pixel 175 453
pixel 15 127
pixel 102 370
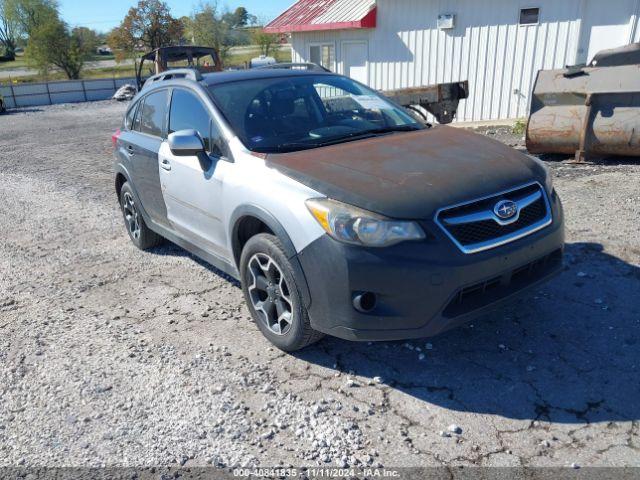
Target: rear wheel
pixel 272 294
pixel 142 236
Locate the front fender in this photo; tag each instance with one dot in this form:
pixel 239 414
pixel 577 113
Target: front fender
pixel 276 227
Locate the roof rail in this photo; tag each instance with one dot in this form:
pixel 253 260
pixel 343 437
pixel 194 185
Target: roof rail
pixel 189 73
pixel 294 66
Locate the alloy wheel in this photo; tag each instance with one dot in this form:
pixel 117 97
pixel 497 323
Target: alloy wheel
pixel 270 294
pixel 131 215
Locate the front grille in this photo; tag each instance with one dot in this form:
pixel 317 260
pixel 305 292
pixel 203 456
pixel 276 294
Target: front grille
pixel 485 293
pixel 474 227
pixel 477 232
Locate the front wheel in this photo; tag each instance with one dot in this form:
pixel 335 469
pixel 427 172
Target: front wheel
pixel 272 294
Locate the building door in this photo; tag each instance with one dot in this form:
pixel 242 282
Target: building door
pixel 605 25
pixel 355 57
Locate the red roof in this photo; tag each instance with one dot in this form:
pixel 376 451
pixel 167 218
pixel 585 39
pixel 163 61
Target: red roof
pixel 311 15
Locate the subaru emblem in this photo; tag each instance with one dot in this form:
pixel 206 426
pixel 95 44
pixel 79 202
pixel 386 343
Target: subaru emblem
pixel 505 209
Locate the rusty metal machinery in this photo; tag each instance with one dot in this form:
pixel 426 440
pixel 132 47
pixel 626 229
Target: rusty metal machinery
pixel 440 100
pixel 588 110
pixel 204 59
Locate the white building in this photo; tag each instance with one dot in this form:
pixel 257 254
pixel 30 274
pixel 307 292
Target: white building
pixel 497 45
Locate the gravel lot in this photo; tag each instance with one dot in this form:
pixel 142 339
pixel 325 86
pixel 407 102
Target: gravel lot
pixel 112 356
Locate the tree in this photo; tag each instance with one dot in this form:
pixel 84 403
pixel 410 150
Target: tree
pixel 18 18
pixel 54 44
pixel 238 18
pixel 241 16
pixel 207 28
pixel 28 15
pixel 149 26
pixel 266 41
pixel 87 39
pixel 8 31
pixel 252 19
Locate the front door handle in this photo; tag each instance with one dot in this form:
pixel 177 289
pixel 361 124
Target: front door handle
pixel 165 164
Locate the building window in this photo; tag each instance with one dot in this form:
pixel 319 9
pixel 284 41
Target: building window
pixel 529 16
pixel 322 55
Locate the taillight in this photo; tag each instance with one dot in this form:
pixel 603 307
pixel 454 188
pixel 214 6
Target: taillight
pixel 114 138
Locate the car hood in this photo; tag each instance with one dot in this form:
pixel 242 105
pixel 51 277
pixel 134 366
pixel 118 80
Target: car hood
pixel 410 175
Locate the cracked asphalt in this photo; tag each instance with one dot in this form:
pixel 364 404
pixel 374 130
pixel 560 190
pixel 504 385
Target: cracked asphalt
pixel 114 357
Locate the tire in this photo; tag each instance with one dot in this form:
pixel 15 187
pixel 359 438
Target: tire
pixel 2 109
pixel 142 236
pixel 272 295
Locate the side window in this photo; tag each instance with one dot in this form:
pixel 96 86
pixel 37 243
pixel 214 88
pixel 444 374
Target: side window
pixel 136 120
pixel 323 55
pixel 188 112
pixel 529 16
pixel 128 120
pixel 154 111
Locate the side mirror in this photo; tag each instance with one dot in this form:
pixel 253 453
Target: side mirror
pixel 186 143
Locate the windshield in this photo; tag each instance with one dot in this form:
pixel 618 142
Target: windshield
pixel 294 113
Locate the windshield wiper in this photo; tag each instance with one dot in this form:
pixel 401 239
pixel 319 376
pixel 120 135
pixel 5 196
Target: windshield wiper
pixel 296 145
pixel 347 138
pixel 394 128
pixel 372 132
pixel 331 141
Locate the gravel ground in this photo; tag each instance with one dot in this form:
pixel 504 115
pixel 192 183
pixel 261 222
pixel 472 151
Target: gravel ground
pixel 111 356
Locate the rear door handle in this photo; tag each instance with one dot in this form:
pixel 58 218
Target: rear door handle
pixel 165 164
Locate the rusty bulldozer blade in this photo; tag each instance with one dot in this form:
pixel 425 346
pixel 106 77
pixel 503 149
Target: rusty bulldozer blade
pixel 588 110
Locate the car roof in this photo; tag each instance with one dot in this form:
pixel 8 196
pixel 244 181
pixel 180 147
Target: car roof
pixel 219 78
pixel 257 73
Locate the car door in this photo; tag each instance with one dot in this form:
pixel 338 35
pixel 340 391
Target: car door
pixel 149 131
pixel 192 185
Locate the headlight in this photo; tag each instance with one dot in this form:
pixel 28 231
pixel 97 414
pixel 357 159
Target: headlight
pixel 353 225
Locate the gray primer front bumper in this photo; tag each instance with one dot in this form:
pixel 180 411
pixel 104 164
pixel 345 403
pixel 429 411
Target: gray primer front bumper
pixel 415 281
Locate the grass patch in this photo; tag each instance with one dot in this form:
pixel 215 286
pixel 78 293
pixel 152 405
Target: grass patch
pixel 124 71
pixel 119 71
pixel 519 127
pixel 241 59
pixel 97 57
pixel 19 62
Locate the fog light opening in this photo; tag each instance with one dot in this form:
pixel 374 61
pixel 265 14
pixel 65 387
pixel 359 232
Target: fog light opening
pixel 365 302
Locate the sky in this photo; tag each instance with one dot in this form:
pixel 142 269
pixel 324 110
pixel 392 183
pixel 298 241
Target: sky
pixel 103 15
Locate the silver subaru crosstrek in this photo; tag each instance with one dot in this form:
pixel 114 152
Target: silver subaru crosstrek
pixel 338 211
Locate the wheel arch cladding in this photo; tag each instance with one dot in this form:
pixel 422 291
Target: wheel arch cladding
pixel 121 179
pixel 250 220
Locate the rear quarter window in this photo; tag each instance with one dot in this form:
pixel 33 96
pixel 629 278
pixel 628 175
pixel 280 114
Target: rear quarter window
pixel 128 119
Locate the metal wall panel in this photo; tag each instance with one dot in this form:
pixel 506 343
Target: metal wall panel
pixel 68 86
pixel 66 97
pixel 488 47
pixel 34 94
